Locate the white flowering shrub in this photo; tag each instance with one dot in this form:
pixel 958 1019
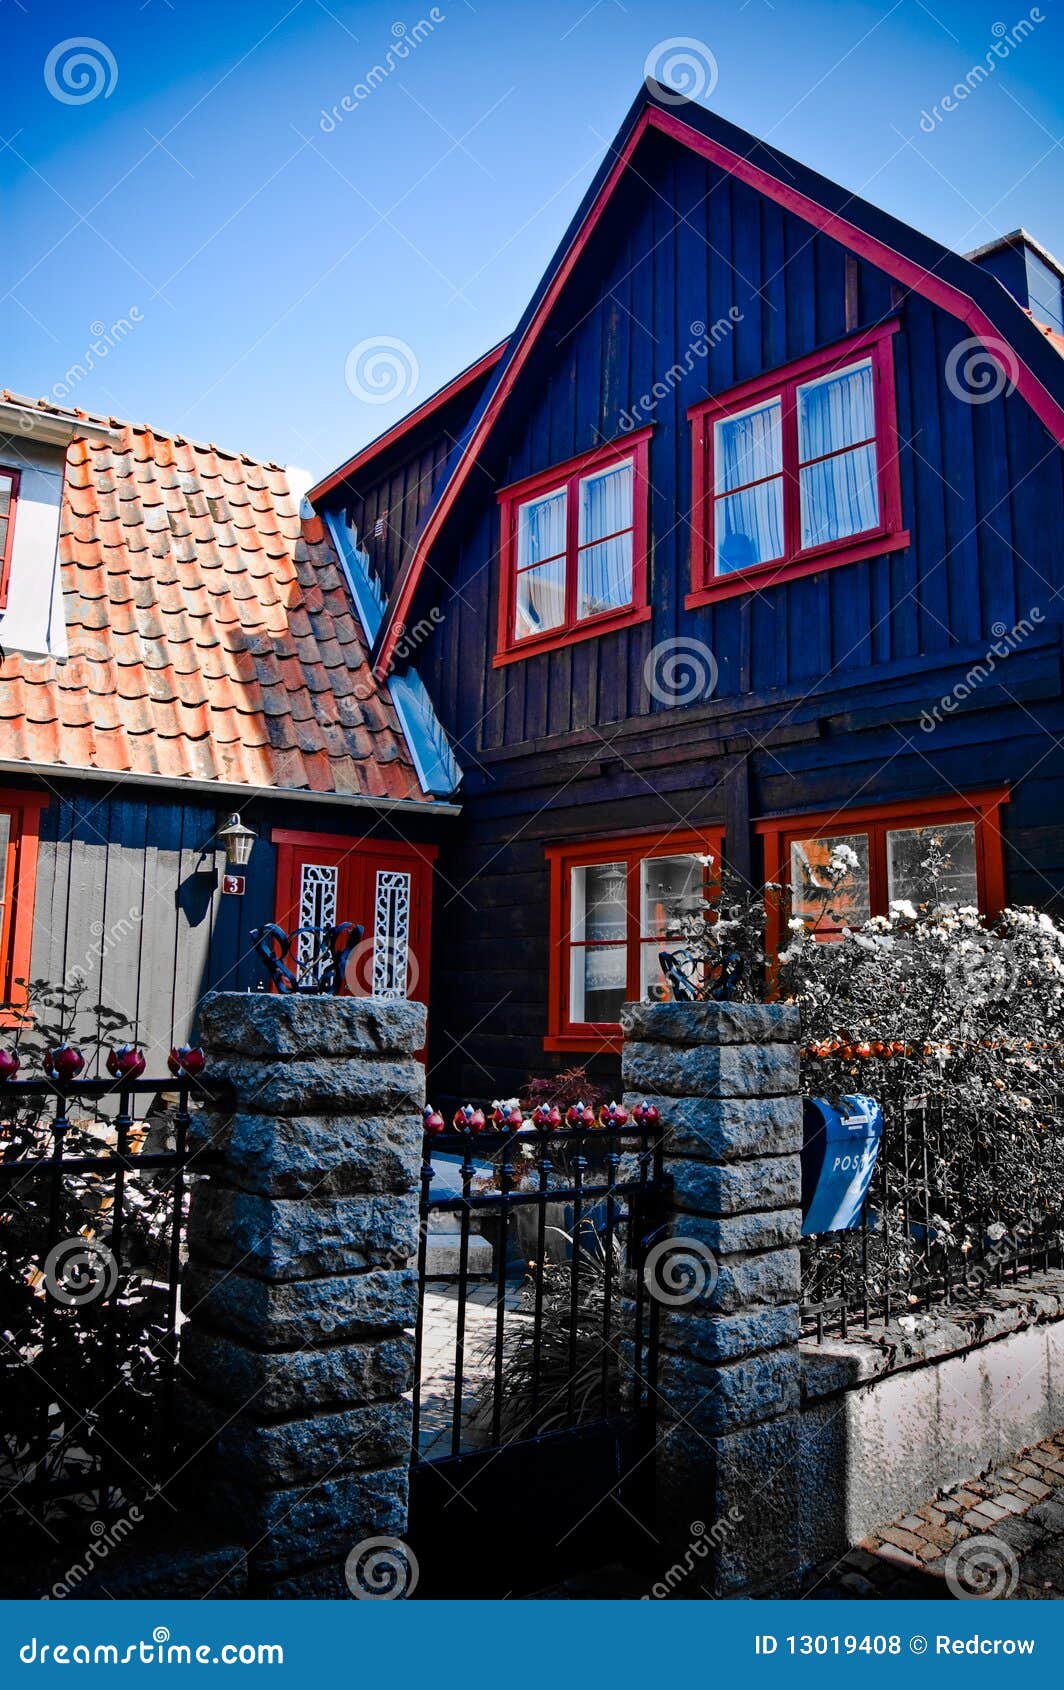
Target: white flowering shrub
pixel 953 1023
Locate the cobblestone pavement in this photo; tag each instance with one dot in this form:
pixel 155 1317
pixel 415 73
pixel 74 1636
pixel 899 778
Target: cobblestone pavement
pixel 999 1534
pixel 438 1358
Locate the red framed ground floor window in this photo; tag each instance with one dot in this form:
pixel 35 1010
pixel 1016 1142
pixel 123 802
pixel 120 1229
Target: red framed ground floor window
pixel 385 885
pixel 20 826
pixel 615 903
pixel 887 846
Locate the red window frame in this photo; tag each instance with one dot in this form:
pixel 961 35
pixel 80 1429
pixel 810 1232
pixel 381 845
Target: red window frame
pixel 782 384
pixel 15 477
pixel 877 820
pixel 632 849
pixel 569 475
pixel 18 884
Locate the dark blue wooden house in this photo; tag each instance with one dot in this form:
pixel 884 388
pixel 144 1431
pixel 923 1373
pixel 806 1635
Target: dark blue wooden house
pixel 746 541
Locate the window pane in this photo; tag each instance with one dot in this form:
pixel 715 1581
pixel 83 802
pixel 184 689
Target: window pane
pixel 600 902
pixel 541 529
pixel 6 484
pixel 749 527
pixel 672 892
pixel 910 855
pixel 606 502
pixel 747 447
pixel 840 496
pixel 604 576
pixel 540 599
pixel 838 410
pixel 810 860
pixel 598 982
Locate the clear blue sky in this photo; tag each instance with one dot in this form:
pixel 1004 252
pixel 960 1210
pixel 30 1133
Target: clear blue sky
pixel 258 246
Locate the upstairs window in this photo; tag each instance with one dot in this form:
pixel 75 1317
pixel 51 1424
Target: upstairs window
pixel 8 501
pixel 573 550
pixel 797 471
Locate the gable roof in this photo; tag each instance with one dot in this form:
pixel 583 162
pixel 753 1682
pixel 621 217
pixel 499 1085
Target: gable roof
pixel 211 633
pixel 915 260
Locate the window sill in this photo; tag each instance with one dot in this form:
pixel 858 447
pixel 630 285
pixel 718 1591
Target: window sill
pixel 597 1041
pixel 764 575
pixel 629 617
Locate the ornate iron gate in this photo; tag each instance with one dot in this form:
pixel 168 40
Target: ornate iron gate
pixel 536 1355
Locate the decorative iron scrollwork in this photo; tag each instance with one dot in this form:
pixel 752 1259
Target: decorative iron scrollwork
pixel 323 953
pixel 691 981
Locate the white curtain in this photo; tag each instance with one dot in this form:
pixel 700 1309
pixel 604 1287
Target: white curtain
pixel 604 572
pixel 540 599
pixel 840 495
pixel 748 525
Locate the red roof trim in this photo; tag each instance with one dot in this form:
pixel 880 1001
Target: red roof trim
pixel 366 454
pixel 903 269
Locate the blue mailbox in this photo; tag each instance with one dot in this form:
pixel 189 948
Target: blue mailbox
pixel 839 1153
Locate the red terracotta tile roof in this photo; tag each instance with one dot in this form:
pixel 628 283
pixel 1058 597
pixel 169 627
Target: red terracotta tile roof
pixel 211 632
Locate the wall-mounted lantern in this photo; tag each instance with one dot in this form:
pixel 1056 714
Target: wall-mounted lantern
pixel 237 840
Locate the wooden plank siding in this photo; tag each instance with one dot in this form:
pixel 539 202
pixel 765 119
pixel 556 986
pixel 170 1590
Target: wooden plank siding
pixel 822 682
pixel 129 900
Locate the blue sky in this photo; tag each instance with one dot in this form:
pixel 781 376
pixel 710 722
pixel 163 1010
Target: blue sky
pixel 250 240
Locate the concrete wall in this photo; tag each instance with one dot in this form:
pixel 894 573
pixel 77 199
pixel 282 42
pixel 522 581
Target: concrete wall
pixel 875 1444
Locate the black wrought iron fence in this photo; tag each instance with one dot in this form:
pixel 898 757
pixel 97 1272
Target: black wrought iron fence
pixel 532 1242
pixel 94 1184
pixel 948 1213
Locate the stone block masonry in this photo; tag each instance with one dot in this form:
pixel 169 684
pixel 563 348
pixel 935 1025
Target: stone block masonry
pixel 301 1287
pixel 724 1078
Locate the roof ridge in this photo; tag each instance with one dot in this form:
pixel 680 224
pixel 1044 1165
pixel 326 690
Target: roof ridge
pixel 75 413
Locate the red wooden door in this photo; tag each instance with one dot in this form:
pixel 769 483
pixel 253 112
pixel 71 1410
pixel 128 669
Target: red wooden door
pixel 385 886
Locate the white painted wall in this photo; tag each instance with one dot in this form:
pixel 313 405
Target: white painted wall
pixel 33 622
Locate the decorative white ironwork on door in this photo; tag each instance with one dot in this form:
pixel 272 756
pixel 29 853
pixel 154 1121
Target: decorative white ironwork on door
pixel 317 908
pixel 391 933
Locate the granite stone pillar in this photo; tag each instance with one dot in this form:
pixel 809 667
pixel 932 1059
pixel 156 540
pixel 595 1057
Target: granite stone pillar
pixel 725 1080
pixel 301 1287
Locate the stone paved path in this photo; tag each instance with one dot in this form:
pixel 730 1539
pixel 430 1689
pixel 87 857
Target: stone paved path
pixel 438 1358
pixel 999 1534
